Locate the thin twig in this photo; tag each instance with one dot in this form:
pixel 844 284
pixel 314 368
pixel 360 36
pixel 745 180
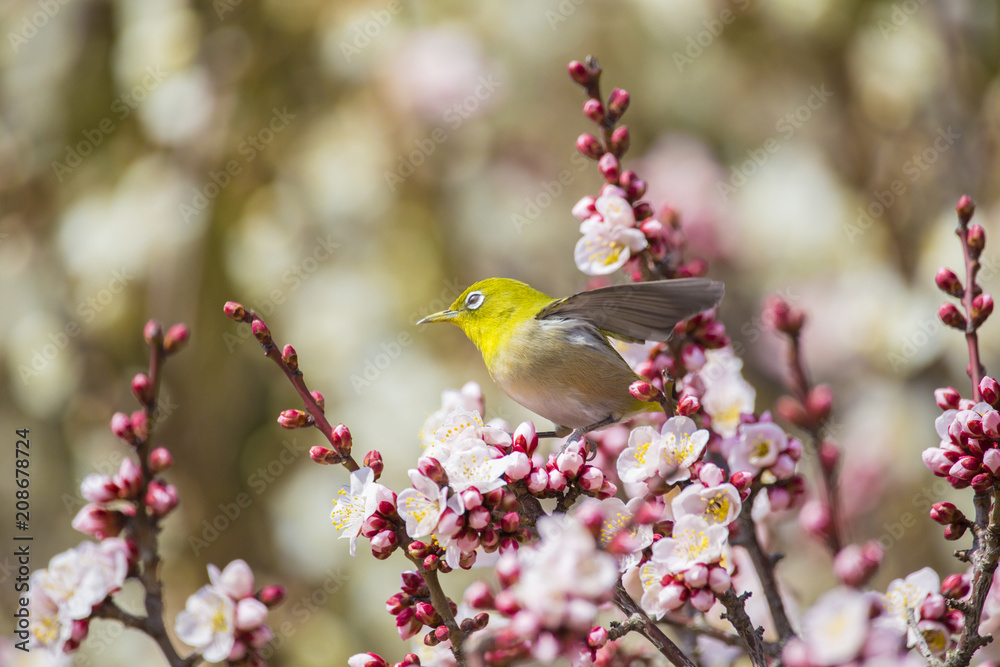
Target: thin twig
pixel 752 637
pixel 639 622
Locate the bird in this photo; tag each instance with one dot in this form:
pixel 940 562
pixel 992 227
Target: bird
pixel 555 357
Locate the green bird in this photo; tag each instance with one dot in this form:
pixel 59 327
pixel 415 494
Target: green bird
pixel 553 356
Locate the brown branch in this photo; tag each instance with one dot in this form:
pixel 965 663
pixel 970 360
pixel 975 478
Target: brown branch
pixel 736 614
pixel 638 621
pixel 764 565
pixel 699 628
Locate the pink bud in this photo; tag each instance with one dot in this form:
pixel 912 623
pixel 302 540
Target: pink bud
pixel 160 459
pixel 471 499
pixel 718 580
pixel 989 389
pixel 432 469
pixel 597 637
pixel 518 466
pixel 407 623
pixel 816 519
pixel 608 489
pixel 688 405
pixel 956 586
pixel 933 607
pixel 161 498
pixel 272 595
pixel 152 333
pixel 620 141
pixel 478 595
pixel 949 314
pixel 783 316
pixel 594 110
pixel 251 613
pixel 982 482
pixel 609 167
pixel 235 311
pixel 175 338
pixel 591 478
pixel 977 240
pixel 479 518
pixel 373 525
pixel 341 439
pixel 290 358
pixel 292 419
pixel 426 613
pixel 954 531
pixel 579 73
pixel 569 462
pixel 618 102
pixel 510 521
pixel 98 488
pixel 373 460
pixel 949 283
pixel 128 479
pixel 525 438
pixel 854 565
pixel 947 398
pixel 642 210
pixel 589 146
pixel 98 522
pixel 819 402
pixel 965 208
pixel 450 523
pixel 642 390
pixel 538 480
pixel 696 576
pixel 702 599
pixel 141 388
pixel 261 332
pixel 991 459
pixel 945 513
pixel 557 480
pixel 121 426
pixel 323 456
pixel 982 306
pixel 383 544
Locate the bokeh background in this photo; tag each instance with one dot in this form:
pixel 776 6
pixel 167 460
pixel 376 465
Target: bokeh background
pixel 348 167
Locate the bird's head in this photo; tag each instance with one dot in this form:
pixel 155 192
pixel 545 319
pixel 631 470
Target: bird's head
pixel 488 310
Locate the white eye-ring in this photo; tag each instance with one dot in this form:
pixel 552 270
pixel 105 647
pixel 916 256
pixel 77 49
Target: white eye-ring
pixel 474 300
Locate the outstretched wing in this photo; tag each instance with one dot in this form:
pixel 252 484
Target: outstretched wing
pixel 639 311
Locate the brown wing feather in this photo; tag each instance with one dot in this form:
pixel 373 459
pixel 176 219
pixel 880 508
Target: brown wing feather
pixel 640 311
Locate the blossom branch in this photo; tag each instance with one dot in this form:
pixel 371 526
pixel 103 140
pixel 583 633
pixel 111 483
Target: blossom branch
pixel 695 627
pixel 644 625
pixel 752 637
pixel 287 361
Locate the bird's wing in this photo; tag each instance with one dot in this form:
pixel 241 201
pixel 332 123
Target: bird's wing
pixel 639 311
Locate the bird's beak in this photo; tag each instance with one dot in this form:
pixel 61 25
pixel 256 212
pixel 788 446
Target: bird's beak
pixel 443 316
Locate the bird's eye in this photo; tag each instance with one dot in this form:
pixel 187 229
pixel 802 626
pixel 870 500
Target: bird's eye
pixel 474 300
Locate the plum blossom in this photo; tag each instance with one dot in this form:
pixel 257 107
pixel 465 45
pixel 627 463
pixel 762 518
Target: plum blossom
pixel 604 248
pixel 669 453
pixel 208 623
pixel 80 578
pixel 904 595
pixel 694 540
pixel 458 425
pixel 354 504
pixel 471 464
pixel 835 627
pixel 618 518
pixel 726 394
pixel 759 446
pixel 715 504
pixel 467 399
pixel 421 505
pixel 565 576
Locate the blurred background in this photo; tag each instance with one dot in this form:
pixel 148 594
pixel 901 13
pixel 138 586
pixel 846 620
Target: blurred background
pixel 347 167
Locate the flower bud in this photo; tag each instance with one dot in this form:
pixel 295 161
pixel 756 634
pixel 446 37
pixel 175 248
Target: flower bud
pixel 597 637
pixel 373 460
pixel 292 419
pixel 290 357
pixel 589 146
pixel 479 518
pixel 982 306
pixel 817 519
pixel 945 513
pixel 426 613
pixel 518 466
pixel 956 586
pixel 128 479
pixel 949 314
pixel 790 409
pixel 98 488
pixel 782 315
pixel 373 525
pixel 272 595
pixel 854 565
pixel 98 522
pixel 122 427
pixel 949 283
pixel 688 405
pixel 161 498
pixel 618 102
pixel 152 333
pixel 641 390
pixel 341 439
pixel 579 73
pixel 982 482
pixel 954 531
pixel 965 208
pixel 319 398
pixel 142 389
pixel 261 332
pixel 417 549
pixel 383 544
pixel 557 480
pixel 431 468
pixel 642 210
pixel 609 167
pixel 718 580
pixel 160 459
pixel 175 338
pixel 977 240
pixel 594 110
pixel 620 141
pixel 702 599
pixel 696 576
pixel 235 311
pixel 819 402
pixel 947 398
pixel 591 478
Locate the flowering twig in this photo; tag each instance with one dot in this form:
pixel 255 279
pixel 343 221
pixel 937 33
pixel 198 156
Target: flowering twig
pixel 641 623
pixel 752 637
